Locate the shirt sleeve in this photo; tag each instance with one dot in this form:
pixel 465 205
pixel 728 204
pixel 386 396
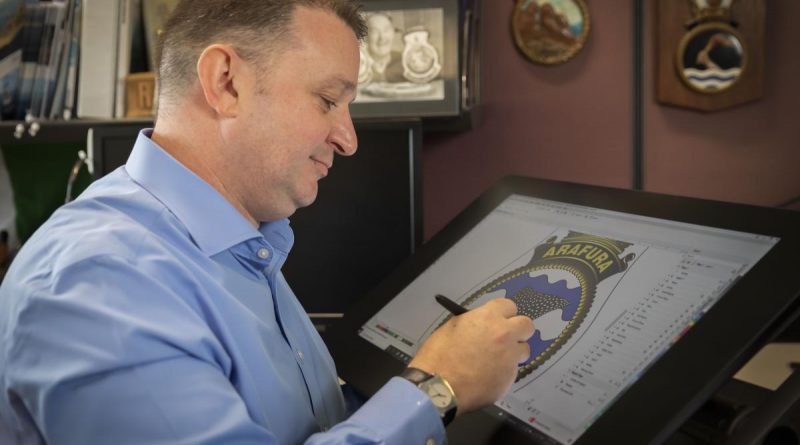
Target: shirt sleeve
pixel 108 352
pixel 398 414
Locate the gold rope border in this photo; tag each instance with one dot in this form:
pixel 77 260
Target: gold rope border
pixel 572 325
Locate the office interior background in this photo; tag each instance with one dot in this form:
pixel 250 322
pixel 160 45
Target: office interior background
pixel 595 119
pixel 589 121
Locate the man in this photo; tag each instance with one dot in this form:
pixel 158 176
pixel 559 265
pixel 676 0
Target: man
pixel 387 65
pixel 152 309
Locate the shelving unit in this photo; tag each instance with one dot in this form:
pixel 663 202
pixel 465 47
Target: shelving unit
pixel 60 132
pixel 39 165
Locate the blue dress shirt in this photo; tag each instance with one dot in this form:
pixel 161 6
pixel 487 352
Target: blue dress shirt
pixel 150 311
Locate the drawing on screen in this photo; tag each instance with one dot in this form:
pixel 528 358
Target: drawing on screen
pixel 557 288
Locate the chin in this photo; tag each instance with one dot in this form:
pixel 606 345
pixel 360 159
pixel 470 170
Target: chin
pixel 306 199
pixel 305 202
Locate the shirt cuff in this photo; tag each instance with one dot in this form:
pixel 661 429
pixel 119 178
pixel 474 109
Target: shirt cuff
pixel 402 414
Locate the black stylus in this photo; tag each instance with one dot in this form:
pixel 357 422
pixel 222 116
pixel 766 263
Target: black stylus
pixel 451 306
pixel 456 309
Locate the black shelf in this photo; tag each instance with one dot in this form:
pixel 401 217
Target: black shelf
pixel 60 131
pixel 74 131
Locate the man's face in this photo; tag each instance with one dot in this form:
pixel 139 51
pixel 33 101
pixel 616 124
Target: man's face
pixel 380 35
pixel 286 135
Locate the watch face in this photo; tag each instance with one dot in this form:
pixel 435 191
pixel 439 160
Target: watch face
pixel 439 394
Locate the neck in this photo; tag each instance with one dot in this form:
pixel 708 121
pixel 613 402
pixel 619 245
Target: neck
pixel 196 145
pixel 382 60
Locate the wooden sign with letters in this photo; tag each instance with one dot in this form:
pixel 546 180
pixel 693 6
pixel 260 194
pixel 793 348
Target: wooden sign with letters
pixel 140 94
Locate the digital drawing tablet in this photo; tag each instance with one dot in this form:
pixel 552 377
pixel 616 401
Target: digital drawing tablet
pixel 643 304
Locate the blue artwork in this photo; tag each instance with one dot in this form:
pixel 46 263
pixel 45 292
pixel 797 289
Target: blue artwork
pixel 557 288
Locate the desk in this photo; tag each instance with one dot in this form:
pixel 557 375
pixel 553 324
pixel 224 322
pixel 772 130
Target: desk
pixel 770 366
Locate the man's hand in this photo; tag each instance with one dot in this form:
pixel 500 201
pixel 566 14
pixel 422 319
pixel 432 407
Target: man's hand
pixel 478 352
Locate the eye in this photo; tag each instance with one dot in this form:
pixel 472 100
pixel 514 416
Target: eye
pixel 329 104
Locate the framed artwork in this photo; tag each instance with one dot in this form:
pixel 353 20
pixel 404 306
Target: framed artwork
pixel 711 57
pixel 550 32
pixel 409 60
pixel 710 53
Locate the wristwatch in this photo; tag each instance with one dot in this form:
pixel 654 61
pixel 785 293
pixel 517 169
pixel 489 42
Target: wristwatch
pixel 437 388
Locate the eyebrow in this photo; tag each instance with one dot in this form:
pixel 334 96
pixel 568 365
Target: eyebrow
pixel 340 83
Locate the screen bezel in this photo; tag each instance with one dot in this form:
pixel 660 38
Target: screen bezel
pixel 669 391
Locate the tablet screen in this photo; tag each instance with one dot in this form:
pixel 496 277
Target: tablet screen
pixel 609 292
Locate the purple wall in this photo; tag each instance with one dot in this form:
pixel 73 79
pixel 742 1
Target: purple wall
pixel 574 122
pixel 750 153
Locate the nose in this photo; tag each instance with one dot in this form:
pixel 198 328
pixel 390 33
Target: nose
pixel 343 135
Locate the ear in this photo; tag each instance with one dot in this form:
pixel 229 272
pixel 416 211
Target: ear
pixel 223 78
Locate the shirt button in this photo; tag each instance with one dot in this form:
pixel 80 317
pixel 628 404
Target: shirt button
pixel 430 442
pixel 263 253
pixel 300 355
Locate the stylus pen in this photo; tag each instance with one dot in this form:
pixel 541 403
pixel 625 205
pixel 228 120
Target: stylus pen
pixel 451 306
pixel 456 309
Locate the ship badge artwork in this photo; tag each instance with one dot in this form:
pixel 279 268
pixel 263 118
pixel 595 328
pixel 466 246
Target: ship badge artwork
pixel 420 58
pixel 712 56
pixel 557 288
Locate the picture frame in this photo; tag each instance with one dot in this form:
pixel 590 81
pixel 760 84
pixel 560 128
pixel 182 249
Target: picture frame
pixel 550 32
pixel 410 60
pixel 471 13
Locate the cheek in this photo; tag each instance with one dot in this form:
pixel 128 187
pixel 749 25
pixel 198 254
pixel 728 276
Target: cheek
pixel 309 134
pixel 285 141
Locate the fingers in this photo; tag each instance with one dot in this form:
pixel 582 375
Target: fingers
pixel 503 306
pixel 524 352
pixel 522 326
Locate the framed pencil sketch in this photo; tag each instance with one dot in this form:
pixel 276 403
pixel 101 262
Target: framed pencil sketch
pixel 550 32
pixel 409 60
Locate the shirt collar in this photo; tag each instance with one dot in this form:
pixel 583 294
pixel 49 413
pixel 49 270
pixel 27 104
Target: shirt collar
pixel 214 224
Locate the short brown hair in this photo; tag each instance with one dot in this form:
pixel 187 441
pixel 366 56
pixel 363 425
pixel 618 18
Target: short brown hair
pixel 256 28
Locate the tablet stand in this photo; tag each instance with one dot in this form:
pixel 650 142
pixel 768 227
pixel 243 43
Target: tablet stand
pixel 745 414
pixel 764 425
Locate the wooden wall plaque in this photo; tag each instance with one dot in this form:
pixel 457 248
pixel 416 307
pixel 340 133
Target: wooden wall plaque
pixel 674 21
